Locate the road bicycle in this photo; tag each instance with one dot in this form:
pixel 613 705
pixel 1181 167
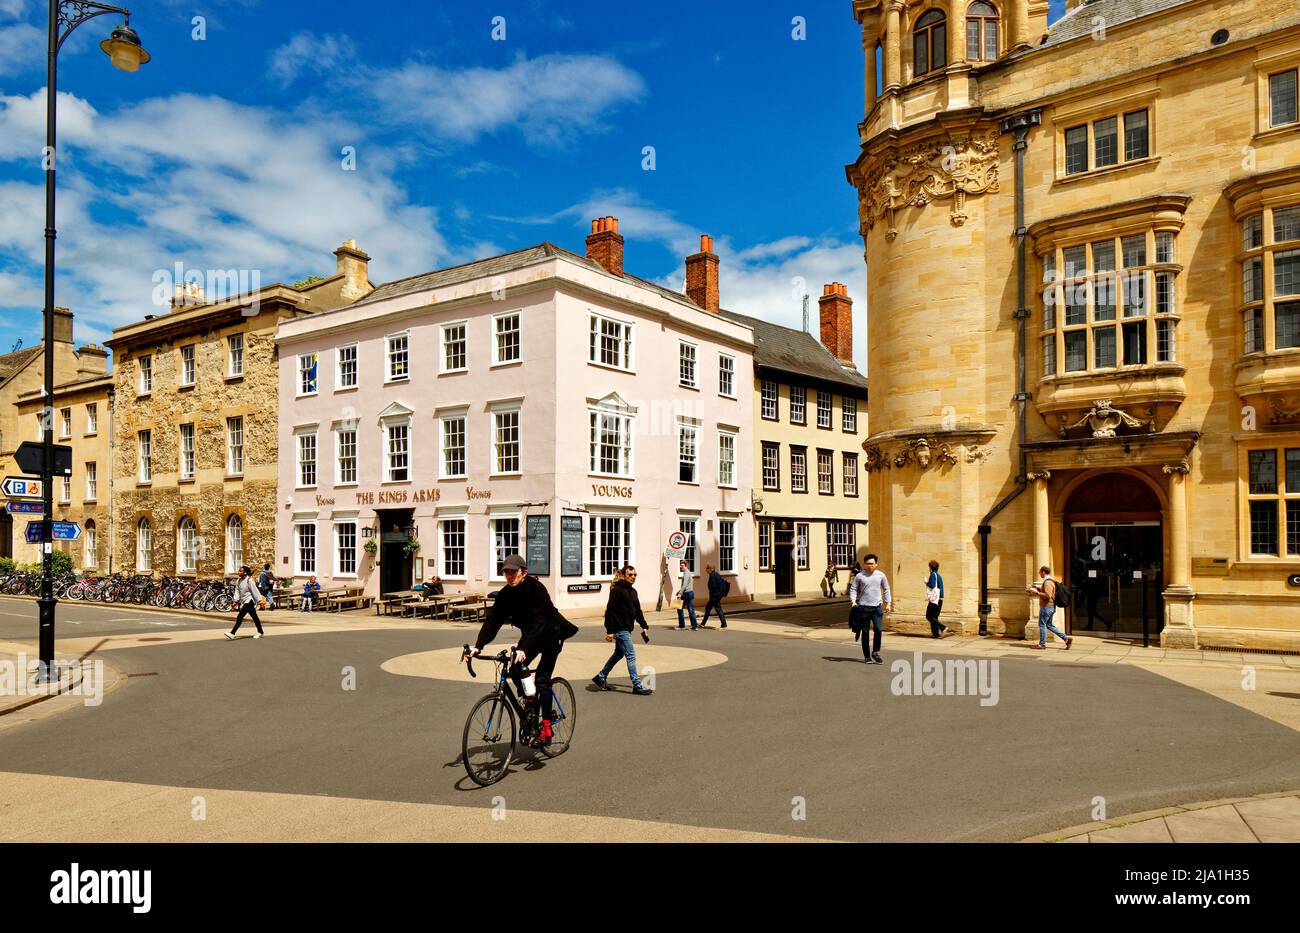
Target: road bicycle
pixel 492 730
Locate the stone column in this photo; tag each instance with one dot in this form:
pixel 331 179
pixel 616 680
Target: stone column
pixel 1179 631
pixel 869 34
pixel 957 33
pixel 1018 25
pixel 1042 542
pixel 893 45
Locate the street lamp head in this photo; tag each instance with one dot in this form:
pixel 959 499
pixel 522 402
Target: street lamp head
pixel 124 50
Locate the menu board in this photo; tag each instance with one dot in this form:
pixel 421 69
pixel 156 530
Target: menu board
pixel 570 545
pixel 539 545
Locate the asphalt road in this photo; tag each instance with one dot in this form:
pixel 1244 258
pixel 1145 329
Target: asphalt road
pixel 727 746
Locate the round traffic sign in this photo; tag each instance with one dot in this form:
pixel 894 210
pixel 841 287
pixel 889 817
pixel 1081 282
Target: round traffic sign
pixel 677 540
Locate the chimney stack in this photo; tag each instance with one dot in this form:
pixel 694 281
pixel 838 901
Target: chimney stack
pixel 702 276
pixel 605 244
pixel 187 294
pixel 92 360
pixel 354 266
pixel 62 325
pixel 836 309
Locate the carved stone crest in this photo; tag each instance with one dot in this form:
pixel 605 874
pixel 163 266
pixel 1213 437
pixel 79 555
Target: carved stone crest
pixel 1285 409
pixel 1103 419
pixel 919 174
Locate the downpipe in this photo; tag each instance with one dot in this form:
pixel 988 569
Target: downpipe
pixel 1020 124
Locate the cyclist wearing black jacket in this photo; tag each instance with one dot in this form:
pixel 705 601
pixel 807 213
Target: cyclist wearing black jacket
pixel 524 603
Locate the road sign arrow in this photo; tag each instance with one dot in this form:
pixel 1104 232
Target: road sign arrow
pixel 19 487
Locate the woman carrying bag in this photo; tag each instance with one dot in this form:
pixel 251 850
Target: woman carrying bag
pixel 934 601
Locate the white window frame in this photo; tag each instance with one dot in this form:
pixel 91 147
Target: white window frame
pixel 798 478
pixel 626 339
pixel 734 437
pixel 442 347
pixel 188 456
pixel 301 373
pixel 339 430
pixel 340 384
pixel 390 373
pixel 65 489
pixel 849 476
pixel 850 541
pixel 183 564
pixel 626 440
pixel 594 545
pixel 726 557
pixel 497 411
pixel 92 481
pixel 92 418
pixel 800 392
pixel 189 368
pixel 495 575
pixel 726 375
pixel 764 559
pixel 299 524
pixel 300 434
pixel 774 398
pixel 234 355
pixel 444 420
pixel 340 523
pixel 827 457
pixel 144 546
pixel 684 428
pixel 235 459
pixel 234 561
pixel 828 410
pixel 802 548
pixel 443 521
pixel 763 449
pixel 848 414
pixel 144 456
pixel 90 546
pixel 398 421
pixel 145 385
pixel 65 423
pixel 497 333
pixel 688 364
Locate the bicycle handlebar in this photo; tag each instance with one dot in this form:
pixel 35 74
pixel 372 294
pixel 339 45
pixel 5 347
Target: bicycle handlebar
pixel 501 657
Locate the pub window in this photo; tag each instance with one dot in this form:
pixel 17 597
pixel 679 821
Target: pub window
pixel 929 43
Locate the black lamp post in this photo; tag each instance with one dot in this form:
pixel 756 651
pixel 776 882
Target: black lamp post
pixel 125 52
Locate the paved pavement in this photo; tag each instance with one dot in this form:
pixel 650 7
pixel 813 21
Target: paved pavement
pixel 774 728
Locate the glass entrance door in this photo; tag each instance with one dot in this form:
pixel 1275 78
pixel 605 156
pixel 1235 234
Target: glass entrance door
pixel 1116 579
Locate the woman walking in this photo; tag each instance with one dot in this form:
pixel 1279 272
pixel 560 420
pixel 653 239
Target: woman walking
pixel 830 578
pixel 246 599
pixel 934 601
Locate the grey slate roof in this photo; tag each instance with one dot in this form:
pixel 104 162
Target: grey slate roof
pixel 794 351
pixel 10 363
pixel 1079 21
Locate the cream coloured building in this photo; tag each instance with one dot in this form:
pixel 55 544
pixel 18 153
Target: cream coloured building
pixel 1083 257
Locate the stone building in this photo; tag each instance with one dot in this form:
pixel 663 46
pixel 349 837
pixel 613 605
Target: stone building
pixel 810 418
pixel 22 383
pixel 196 450
pixel 1083 258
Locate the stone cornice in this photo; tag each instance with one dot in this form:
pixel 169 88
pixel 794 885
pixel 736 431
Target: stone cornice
pixel 923 446
pixel 1163 209
pixel 1247 195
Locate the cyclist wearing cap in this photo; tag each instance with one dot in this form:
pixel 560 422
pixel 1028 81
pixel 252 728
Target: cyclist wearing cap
pixel 524 603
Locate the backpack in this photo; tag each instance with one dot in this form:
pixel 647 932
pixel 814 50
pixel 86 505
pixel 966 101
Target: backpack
pixel 1062 595
pixel 726 587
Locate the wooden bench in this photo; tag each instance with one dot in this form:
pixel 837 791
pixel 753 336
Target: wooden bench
pixel 396 600
pixel 352 597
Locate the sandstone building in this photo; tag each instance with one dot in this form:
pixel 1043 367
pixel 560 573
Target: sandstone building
pixel 196 422
pixel 1083 259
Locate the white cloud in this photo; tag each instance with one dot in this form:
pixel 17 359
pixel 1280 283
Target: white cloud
pixel 22 46
pixel 551 98
pixel 207 182
pixel 309 53
pixel 12 9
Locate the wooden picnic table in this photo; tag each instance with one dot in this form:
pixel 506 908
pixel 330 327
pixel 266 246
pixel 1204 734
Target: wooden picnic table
pixel 336 599
pixel 387 602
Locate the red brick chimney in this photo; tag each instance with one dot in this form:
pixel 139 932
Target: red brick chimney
pixel 837 321
pixel 702 275
pixel 605 244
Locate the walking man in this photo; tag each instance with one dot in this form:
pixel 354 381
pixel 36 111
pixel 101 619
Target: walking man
pixel 718 588
pixel 622 612
pixel 686 593
pixel 869 592
pixel 246 599
pixel 266 586
pixel 1046 593
pixel 830 578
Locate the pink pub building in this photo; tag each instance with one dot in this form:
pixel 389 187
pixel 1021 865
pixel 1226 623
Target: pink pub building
pixel 537 402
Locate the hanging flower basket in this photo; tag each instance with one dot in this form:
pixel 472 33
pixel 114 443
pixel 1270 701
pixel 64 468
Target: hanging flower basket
pixel 371 547
pixel 412 547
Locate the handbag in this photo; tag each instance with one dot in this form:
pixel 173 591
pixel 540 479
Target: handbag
pixel 932 595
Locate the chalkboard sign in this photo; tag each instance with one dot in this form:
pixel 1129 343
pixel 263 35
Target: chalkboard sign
pixel 570 545
pixel 539 545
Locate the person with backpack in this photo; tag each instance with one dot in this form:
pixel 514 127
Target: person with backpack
pixel 1050 595
pixel 934 601
pixel 718 589
pixel 266 586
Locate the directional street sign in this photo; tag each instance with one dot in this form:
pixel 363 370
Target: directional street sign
pixel 25 508
pixel 18 487
pixel 63 531
pixel 30 457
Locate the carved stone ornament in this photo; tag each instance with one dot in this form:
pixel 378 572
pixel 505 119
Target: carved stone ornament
pixel 947 456
pixel 1103 418
pixel 873 458
pixel 1285 409
pixel 1034 475
pixel 976 454
pixel 1180 466
pixel 904 457
pixel 935 170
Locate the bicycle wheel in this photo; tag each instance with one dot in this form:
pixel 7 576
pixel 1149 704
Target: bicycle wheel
pixel 565 710
pixel 489 740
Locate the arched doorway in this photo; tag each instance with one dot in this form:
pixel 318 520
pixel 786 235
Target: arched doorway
pixel 1116 541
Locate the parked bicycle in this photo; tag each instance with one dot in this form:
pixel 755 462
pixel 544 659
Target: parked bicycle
pixel 493 730
pixel 213 595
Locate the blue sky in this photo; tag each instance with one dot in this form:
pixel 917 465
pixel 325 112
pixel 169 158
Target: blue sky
pixel 228 152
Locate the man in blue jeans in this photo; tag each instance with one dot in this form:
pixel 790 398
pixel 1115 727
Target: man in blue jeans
pixel 686 593
pixel 869 593
pixel 1046 593
pixel 621 612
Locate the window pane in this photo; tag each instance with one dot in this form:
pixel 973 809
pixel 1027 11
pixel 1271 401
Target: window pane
pixel 1252 279
pixel 1253 322
pixel 1282 98
pixel 1075 259
pixel 1166 341
pixel 1105 142
pixel 1076 150
pixel 1286 224
pixel 1135 250
pixel 1103 256
pixel 1252 232
pixel 1076 351
pixel 1135 135
pixel 920 51
pixel 1103 299
pixel 973 40
pixel 940 46
pixel 1049 355
pixel 990 39
pixel 1286 272
pixel 1293 526
pixel 1286 325
pixel 1076 303
pixel 1263 472
pixel 1263 528
pixel 1293 470
pixel 1164 246
pixel 1135 343
pixel 1103 346
pixel 1135 294
pixel 1164 293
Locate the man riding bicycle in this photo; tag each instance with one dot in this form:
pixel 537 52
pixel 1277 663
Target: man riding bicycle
pixel 525 604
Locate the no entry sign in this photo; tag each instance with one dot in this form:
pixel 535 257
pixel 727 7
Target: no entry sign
pixel 676 541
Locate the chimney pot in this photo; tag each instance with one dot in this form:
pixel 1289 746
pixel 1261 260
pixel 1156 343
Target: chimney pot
pixel 605 245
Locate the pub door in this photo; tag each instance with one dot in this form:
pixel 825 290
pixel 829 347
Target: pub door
pixel 396 567
pixel 783 559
